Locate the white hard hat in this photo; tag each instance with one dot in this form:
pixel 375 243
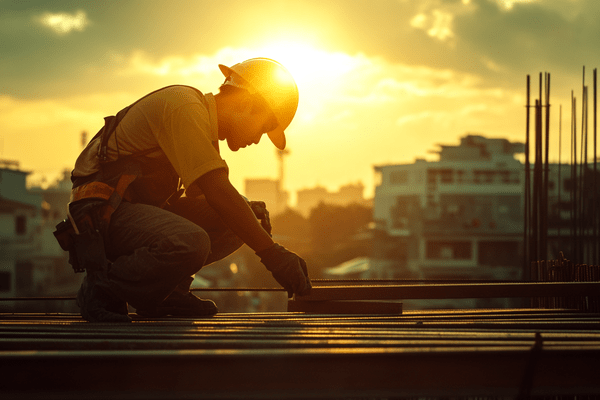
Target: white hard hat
pixel 270 80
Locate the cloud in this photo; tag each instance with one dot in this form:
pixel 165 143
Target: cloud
pixel 140 62
pixel 437 25
pixel 531 33
pixel 509 4
pixel 64 23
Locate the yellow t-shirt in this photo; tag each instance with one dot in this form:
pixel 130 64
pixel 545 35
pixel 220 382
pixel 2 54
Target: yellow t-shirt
pixel 179 120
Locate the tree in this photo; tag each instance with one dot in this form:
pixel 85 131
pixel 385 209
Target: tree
pixel 334 234
pixel 290 225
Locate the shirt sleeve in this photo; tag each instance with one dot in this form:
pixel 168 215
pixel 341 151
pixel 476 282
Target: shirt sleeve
pixel 187 143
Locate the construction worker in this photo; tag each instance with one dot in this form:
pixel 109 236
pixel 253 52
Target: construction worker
pixel 152 202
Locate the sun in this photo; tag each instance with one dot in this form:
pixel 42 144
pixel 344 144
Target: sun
pixel 307 64
pixel 313 68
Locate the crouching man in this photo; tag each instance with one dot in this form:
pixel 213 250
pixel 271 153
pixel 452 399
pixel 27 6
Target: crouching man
pixel 152 202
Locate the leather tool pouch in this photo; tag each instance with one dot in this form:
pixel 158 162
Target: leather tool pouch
pixel 64 234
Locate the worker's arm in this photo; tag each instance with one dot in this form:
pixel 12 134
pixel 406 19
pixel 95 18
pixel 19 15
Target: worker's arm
pixel 287 268
pixel 233 209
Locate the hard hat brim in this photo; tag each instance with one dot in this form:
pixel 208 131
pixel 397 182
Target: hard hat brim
pixel 277 136
pixel 225 70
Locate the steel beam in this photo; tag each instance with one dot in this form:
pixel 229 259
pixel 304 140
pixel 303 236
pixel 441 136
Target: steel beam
pixel 299 373
pixel 444 353
pixel 453 291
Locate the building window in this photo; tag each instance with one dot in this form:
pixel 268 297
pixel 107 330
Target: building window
pixel 489 176
pixel 453 209
pixel 432 176
pixel 483 176
pixel 20 225
pixel 509 207
pixel 459 250
pixel 4 281
pixel 446 175
pixel 400 213
pixel 398 177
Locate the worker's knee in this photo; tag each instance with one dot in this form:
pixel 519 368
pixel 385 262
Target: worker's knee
pixel 195 250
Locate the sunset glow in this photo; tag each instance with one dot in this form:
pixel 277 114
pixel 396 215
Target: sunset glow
pixel 380 82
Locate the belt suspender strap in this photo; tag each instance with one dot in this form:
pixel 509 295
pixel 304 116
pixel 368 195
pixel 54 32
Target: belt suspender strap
pixel 97 190
pixel 103 191
pixel 117 196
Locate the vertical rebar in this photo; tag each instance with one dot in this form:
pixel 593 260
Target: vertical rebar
pixel 584 177
pixel 526 234
pixel 534 194
pixel 573 193
pixel 544 216
pixel 582 167
pixel 581 235
pixel 537 180
pixel 594 199
pixel 559 187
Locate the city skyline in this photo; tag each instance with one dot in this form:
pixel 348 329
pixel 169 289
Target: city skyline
pixel 382 83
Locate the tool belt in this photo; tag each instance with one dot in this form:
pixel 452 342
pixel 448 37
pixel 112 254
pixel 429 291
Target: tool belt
pixel 72 234
pixel 76 232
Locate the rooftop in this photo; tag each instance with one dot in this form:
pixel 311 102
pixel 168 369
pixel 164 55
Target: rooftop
pixel 298 355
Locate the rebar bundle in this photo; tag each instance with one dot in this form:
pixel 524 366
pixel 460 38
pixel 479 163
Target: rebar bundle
pixel 563 270
pixel 546 230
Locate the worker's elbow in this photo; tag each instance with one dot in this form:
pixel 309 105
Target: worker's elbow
pixel 216 187
pixel 211 181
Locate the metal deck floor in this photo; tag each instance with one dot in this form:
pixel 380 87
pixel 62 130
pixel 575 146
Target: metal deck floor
pixel 449 353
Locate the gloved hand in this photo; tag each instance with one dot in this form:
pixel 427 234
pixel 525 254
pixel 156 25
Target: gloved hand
pixel 288 269
pixel 259 208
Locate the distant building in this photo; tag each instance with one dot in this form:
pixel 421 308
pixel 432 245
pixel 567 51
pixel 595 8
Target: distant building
pixel 19 222
pixel 269 191
pixel 31 261
pixel 348 194
pixel 459 217
pixel 50 258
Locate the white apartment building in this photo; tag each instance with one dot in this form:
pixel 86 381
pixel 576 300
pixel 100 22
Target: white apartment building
pixel 457 218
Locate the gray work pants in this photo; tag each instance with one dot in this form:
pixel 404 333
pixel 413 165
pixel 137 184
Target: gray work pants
pixel 153 251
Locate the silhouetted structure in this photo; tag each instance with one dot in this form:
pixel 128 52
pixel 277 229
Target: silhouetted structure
pixel 347 194
pixel 456 218
pixel 561 200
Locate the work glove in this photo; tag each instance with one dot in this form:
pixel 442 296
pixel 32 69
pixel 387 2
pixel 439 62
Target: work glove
pixel 259 208
pixel 288 269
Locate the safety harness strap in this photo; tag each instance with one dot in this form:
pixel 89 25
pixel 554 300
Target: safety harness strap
pixel 117 196
pixel 98 190
pixel 103 191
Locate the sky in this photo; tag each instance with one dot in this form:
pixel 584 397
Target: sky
pixel 381 81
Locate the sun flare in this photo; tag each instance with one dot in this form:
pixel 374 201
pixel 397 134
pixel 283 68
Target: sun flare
pixel 310 66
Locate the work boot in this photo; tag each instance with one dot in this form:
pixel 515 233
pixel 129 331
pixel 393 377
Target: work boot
pixel 97 305
pixel 180 304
